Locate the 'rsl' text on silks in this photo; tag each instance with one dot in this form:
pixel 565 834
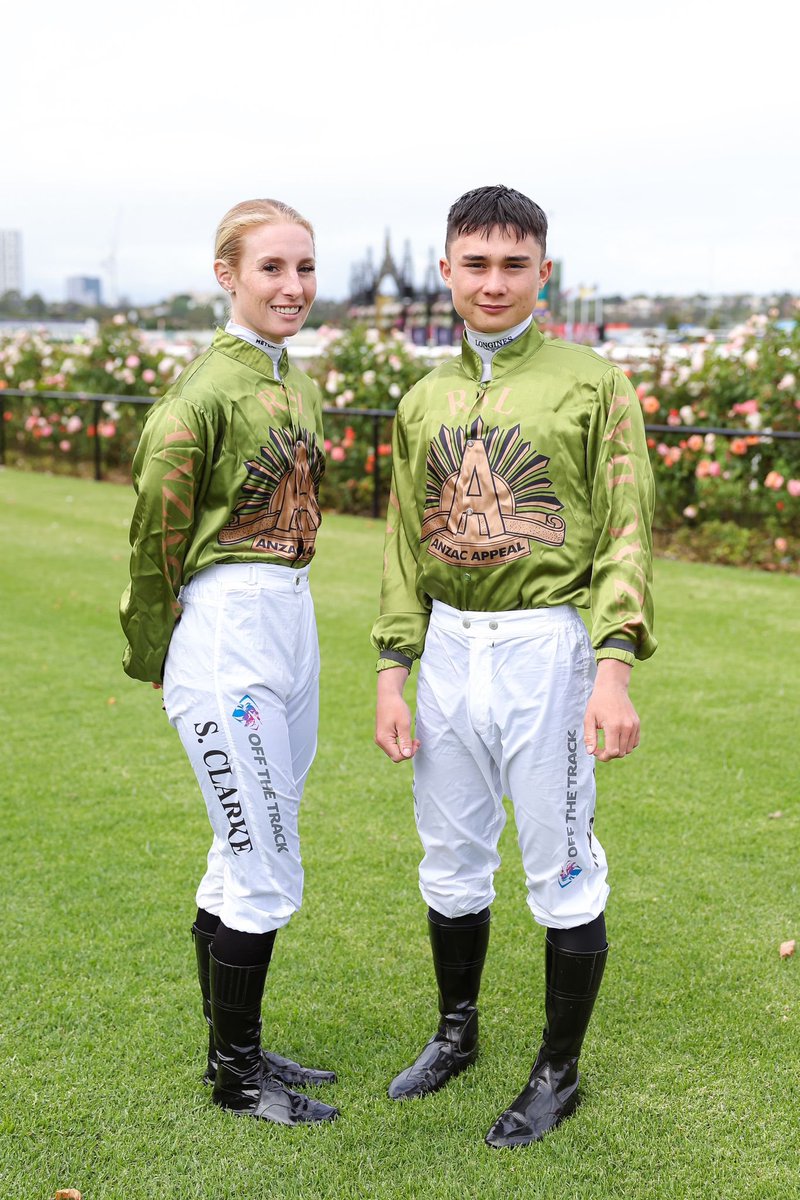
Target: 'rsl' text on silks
pixel 257 750
pixel 220 772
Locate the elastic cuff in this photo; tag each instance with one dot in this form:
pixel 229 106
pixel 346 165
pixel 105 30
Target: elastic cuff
pixel 394 658
pixel 620 655
pixel 618 643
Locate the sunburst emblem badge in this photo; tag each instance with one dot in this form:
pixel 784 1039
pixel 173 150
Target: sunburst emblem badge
pixel 487 497
pixel 278 512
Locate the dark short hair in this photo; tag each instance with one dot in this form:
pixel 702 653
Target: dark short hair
pixel 486 208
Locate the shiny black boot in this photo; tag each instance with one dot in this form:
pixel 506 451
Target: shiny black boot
pixel 282 1068
pixel 244 1083
pixel 459 952
pixel 572 984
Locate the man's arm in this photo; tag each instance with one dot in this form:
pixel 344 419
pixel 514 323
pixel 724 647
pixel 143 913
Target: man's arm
pixel 399 632
pixel 623 495
pixel 622 501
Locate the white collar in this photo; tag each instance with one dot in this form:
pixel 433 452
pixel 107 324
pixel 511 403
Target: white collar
pixel 273 350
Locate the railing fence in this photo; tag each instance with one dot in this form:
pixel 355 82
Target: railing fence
pixel 98 399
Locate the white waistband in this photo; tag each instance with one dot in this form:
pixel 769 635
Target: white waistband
pixel 225 577
pixel 517 622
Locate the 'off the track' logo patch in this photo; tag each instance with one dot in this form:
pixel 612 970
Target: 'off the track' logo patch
pixel 247 713
pixel 568 872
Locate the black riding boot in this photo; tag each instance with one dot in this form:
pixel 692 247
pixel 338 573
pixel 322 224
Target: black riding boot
pixel 459 952
pixel 244 1083
pixel 282 1068
pixel 572 984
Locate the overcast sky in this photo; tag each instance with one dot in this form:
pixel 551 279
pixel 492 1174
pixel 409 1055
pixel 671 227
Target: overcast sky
pixel 661 139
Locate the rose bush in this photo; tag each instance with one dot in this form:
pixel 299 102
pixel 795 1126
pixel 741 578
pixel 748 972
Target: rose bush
pixel 724 499
pixel 59 434
pixel 750 482
pixel 361 368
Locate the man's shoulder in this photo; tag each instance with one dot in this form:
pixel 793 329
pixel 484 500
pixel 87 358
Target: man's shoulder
pixel 575 360
pixel 447 374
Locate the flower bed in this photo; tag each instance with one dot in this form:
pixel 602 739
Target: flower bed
pixel 727 499
pixel 361 368
pixel 732 499
pixel 58 435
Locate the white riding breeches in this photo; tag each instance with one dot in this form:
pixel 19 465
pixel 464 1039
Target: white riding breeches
pixel 241 688
pixel 501 699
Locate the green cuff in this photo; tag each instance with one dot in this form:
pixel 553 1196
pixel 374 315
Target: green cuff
pixel 620 655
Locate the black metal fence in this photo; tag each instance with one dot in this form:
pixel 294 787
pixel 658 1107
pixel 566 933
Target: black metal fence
pixel 375 415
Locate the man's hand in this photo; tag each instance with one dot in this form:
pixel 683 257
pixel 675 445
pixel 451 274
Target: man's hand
pixel 611 710
pixel 393 716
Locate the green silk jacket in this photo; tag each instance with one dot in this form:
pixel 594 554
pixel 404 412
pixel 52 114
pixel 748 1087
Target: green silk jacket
pixel 528 491
pixel 227 470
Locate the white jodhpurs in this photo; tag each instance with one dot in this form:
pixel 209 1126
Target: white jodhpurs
pixel 501 699
pixel 241 688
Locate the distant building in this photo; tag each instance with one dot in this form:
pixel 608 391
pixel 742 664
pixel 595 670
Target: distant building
pixel 387 297
pixel 10 261
pixel 86 290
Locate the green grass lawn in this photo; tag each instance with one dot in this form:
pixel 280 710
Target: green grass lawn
pixel 692 1061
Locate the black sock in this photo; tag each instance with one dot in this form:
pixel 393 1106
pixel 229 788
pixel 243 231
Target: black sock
pixel 470 919
pixel 238 949
pixel 206 922
pixel 583 939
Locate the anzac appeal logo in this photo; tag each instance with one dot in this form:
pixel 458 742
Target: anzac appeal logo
pixel 278 512
pixel 487 497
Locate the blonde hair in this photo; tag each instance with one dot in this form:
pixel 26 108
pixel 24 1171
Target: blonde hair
pixel 248 214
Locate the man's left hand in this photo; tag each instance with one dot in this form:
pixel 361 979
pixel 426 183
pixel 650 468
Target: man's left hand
pixel 610 709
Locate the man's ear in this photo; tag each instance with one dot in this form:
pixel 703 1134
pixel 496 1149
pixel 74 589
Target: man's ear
pixel 445 272
pixel 545 271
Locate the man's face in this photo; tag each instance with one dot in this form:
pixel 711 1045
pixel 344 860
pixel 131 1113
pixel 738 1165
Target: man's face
pixel 495 280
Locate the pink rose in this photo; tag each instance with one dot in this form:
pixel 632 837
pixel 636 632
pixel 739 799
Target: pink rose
pixel 132 361
pixel 149 376
pixel 338 454
pixel 793 487
pixel 64 445
pixel 774 481
pixel 781 545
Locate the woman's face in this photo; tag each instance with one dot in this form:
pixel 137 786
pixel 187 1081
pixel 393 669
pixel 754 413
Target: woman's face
pixel 275 283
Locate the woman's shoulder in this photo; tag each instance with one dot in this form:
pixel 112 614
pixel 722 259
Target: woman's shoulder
pixel 205 383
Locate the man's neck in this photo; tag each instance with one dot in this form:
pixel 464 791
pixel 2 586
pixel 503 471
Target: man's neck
pixel 486 345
